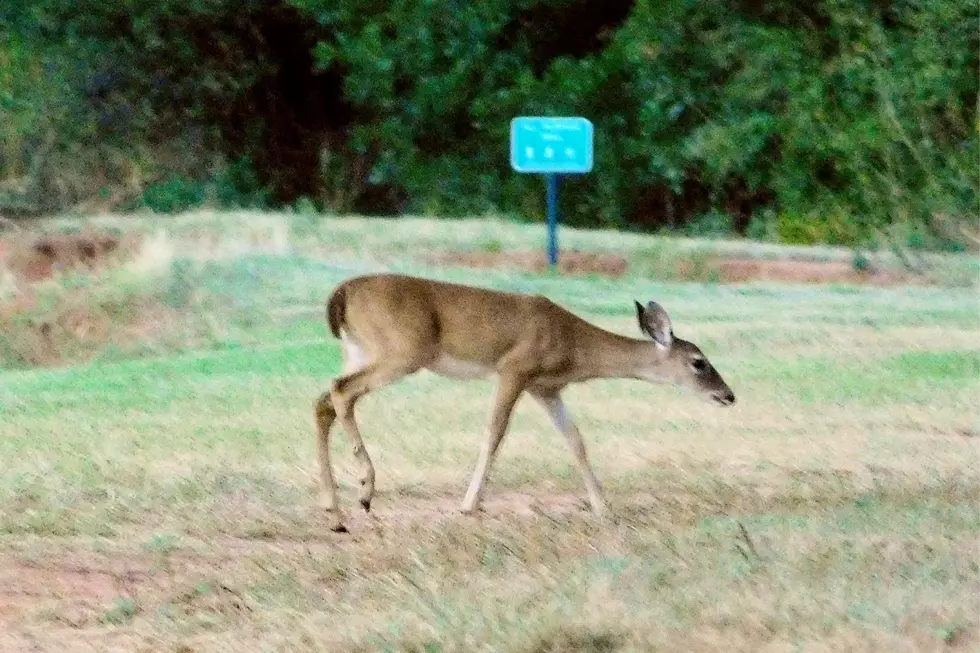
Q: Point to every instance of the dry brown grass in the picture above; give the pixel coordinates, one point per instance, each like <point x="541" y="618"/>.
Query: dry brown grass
<point x="418" y="577"/>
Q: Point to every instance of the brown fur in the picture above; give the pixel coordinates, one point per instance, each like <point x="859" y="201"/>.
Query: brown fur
<point x="395" y="325"/>
<point x="336" y="306"/>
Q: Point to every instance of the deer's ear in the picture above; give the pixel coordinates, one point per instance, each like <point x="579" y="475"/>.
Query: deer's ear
<point x="656" y="323"/>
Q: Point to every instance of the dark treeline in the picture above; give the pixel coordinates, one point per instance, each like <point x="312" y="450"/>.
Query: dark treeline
<point x="799" y="121"/>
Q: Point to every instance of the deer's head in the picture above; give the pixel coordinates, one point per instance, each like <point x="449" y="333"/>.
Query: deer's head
<point x="681" y="362"/>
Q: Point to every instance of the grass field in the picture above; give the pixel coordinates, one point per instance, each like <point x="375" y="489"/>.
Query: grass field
<point x="168" y="502"/>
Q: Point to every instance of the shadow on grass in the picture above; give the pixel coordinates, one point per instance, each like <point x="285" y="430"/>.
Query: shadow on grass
<point x="578" y="641"/>
<point x="560" y="641"/>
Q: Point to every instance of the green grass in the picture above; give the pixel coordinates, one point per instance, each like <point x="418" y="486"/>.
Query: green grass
<point x="170" y="499"/>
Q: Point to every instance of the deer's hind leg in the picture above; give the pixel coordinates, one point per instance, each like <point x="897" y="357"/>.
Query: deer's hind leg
<point x="345" y="393"/>
<point x="404" y="352"/>
<point x="325" y="416"/>
<point x="326" y="413"/>
<point x="379" y="354"/>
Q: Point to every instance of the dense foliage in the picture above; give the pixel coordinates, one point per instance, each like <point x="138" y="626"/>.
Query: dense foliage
<point x="819" y="121"/>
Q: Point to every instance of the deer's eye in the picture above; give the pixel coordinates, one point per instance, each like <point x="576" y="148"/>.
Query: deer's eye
<point x="699" y="364"/>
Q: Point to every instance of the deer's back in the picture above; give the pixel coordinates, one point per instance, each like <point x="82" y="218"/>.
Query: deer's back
<point x="459" y="323"/>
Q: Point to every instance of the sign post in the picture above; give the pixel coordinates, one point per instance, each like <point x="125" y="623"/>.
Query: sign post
<point x="552" y="147"/>
<point x="551" y="179"/>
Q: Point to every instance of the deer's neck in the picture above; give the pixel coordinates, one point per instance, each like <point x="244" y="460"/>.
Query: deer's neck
<point x="603" y="354"/>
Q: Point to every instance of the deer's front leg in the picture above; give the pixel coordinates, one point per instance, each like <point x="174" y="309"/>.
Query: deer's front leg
<point x="508" y="390"/>
<point x="553" y="403"/>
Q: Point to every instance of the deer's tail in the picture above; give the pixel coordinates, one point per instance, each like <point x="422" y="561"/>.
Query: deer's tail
<point x="336" y="309"/>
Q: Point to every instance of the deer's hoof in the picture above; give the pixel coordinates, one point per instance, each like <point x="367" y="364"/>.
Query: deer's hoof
<point x="335" y="521"/>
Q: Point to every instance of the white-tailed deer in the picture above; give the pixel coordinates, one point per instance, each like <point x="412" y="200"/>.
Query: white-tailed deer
<point x="393" y="325"/>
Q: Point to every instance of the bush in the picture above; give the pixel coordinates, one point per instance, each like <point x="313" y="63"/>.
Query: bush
<point x="818" y="113"/>
<point x="173" y="195"/>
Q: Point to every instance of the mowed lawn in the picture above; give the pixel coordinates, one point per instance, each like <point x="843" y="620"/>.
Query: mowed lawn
<point x="171" y="504"/>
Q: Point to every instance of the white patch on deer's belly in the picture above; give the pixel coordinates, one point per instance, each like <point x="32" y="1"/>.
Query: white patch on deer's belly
<point x="459" y="369"/>
<point x="354" y="355"/>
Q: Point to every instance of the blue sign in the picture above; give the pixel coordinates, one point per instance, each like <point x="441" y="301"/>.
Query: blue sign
<point x="551" y="145"/>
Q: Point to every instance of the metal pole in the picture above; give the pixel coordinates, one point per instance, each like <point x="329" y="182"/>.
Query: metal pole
<point x="552" y="183"/>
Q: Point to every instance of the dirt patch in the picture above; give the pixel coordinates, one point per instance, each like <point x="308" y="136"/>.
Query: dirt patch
<point x="717" y="269"/>
<point x="569" y="262"/>
<point x="26" y="587"/>
<point x="35" y="257"/>
<point x="44" y="322"/>
<point x="788" y="271"/>
<point x="393" y="512"/>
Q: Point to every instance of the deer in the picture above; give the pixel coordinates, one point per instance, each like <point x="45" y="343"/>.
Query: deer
<point x="393" y="325"/>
